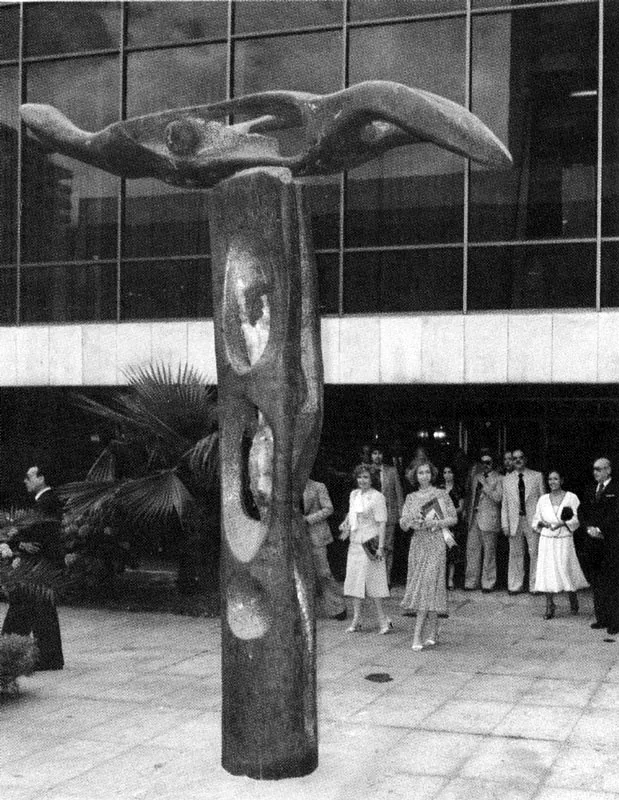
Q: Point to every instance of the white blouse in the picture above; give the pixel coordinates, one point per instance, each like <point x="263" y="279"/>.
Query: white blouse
<point x="546" y="514"/>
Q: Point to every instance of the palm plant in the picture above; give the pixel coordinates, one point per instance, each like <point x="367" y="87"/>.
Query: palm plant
<point x="161" y="463"/>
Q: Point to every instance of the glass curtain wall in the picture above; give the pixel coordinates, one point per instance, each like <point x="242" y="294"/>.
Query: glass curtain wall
<point x="418" y="230"/>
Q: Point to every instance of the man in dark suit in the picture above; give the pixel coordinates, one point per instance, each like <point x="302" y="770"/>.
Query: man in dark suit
<point x="32" y="607"/>
<point x="600" y="516"/>
<point x="386" y="479"/>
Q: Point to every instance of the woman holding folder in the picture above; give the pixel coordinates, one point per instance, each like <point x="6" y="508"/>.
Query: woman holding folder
<point x="429" y="512"/>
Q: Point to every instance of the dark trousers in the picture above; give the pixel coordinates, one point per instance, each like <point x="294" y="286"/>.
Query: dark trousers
<point x="29" y="614"/>
<point x="604" y="578"/>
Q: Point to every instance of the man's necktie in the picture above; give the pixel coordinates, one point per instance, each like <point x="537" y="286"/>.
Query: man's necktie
<point x="598" y="491"/>
<point x="523" y="508"/>
<point x="477" y="496"/>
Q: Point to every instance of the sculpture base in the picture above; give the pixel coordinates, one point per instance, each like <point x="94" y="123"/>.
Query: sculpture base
<point x="272" y="770"/>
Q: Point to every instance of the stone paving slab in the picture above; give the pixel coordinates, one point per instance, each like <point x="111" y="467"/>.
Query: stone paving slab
<point x="507" y="706"/>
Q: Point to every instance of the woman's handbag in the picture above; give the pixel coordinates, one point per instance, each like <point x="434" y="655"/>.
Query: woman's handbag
<point x="371" y="548"/>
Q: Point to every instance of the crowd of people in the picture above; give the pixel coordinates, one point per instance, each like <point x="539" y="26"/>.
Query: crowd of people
<point x="455" y="535"/>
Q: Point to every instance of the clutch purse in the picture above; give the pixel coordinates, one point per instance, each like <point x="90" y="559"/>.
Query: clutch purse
<point x="371" y="548"/>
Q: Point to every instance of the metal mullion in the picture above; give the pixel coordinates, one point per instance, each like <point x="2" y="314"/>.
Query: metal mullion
<point x="600" y="154"/>
<point x="122" y="193"/>
<point x="18" y="193"/>
<point x="269" y="34"/>
<point x="370" y="23"/>
<point x="229" y="52"/>
<point x="468" y="77"/>
<point x="343" y="174"/>
<point x="106" y="51"/>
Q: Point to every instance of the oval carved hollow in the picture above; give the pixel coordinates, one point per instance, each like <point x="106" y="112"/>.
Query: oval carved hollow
<point x="247" y="308"/>
<point x="243" y="534"/>
<point x="248" y="611"/>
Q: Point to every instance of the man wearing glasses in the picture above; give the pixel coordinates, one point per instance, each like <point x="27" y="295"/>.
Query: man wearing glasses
<point x="522" y="488"/>
<point x="484" y="524"/>
<point x="601" y="521"/>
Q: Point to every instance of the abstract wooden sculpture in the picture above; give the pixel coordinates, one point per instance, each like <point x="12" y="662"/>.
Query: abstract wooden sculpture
<point x="269" y="365"/>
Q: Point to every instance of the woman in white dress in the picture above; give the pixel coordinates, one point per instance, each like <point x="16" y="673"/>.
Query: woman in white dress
<point x="366" y="575"/>
<point x="558" y="568"/>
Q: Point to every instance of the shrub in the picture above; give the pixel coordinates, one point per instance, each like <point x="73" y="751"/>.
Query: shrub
<point x="18" y="656"/>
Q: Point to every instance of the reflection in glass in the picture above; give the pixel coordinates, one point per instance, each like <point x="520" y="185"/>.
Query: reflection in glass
<point x="71" y="27"/>
<point x="306" y="63"/>
<point x="271" y="15"/>
<point x="9" y="32"/>
<point x="8" y="295"/>
<point x="610" y="145"/>
<point x="175" y="78"/>
<point x="403" y="280"/>
<point x="609" y="296"/>
<point x="68" y="293"/>
<point x="414" y="194"/>
<point x="155" y="23"/>
<point x="383" y="9"/>
<point x="9" y="103"/>
<point x="328" y="267"/>
<point x="531" y="276"/>
<point x="166" y="289"/>
<point x="161" y="220"/>
<point x="69" y="208"/>
<point x="535" y="86"/>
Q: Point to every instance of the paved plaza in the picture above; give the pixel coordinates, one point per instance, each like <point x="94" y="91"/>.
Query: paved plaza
<point x="507" y="706"/>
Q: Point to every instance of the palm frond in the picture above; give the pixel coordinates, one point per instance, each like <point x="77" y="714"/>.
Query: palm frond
<point x="85" y="497"/>
<point x="103" y="470"/>
<point x="203" y="457"/>
<point x="154" y="497"/>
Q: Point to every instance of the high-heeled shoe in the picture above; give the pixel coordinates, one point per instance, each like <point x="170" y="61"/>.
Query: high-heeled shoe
<point x="386" y="628"/>
<point x="354" y="626"/>
<point x="431" y="642"/>
<point x="550" y="611"/>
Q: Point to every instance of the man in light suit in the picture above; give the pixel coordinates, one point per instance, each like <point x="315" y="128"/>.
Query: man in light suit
<point x="387" y="481"/>
<point x="522" y="488"/>
<point x="484" y="524"/>
<point x="317" y="508"/>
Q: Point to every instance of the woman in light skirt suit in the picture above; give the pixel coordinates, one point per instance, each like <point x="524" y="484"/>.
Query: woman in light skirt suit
<point x="366" y="576"/>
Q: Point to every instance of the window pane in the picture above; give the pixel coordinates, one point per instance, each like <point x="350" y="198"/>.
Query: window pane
<point x="308" y="62"/>
<point x="9" y="123"/>
<point x="159" y="219"/>
<point x="534" y="85"/>
<point x="610" y="147"/>
<point x="534" y="276"/>
<point x="412" y="194"/>
<point x="166" y="289"/>
<point x="403" y="280"/>
<point x="273" y="15"/>
<point x="382" y="9"/>
<point x="154" y="23"/>
<point x="9" y="33"/>
<point x="69" y="208"/>
<point x="8" y="295"/>
<point x="610" y="275"/>
<point x="71" y="27"/>
<point x="68" y="293"/>
<point x="328" y="267"/>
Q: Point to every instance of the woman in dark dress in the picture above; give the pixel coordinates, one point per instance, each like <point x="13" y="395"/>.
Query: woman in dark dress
<point x="455" y="555"/>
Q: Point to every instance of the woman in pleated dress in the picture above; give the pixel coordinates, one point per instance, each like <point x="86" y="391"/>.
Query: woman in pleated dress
<point x="429" y="512"/>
